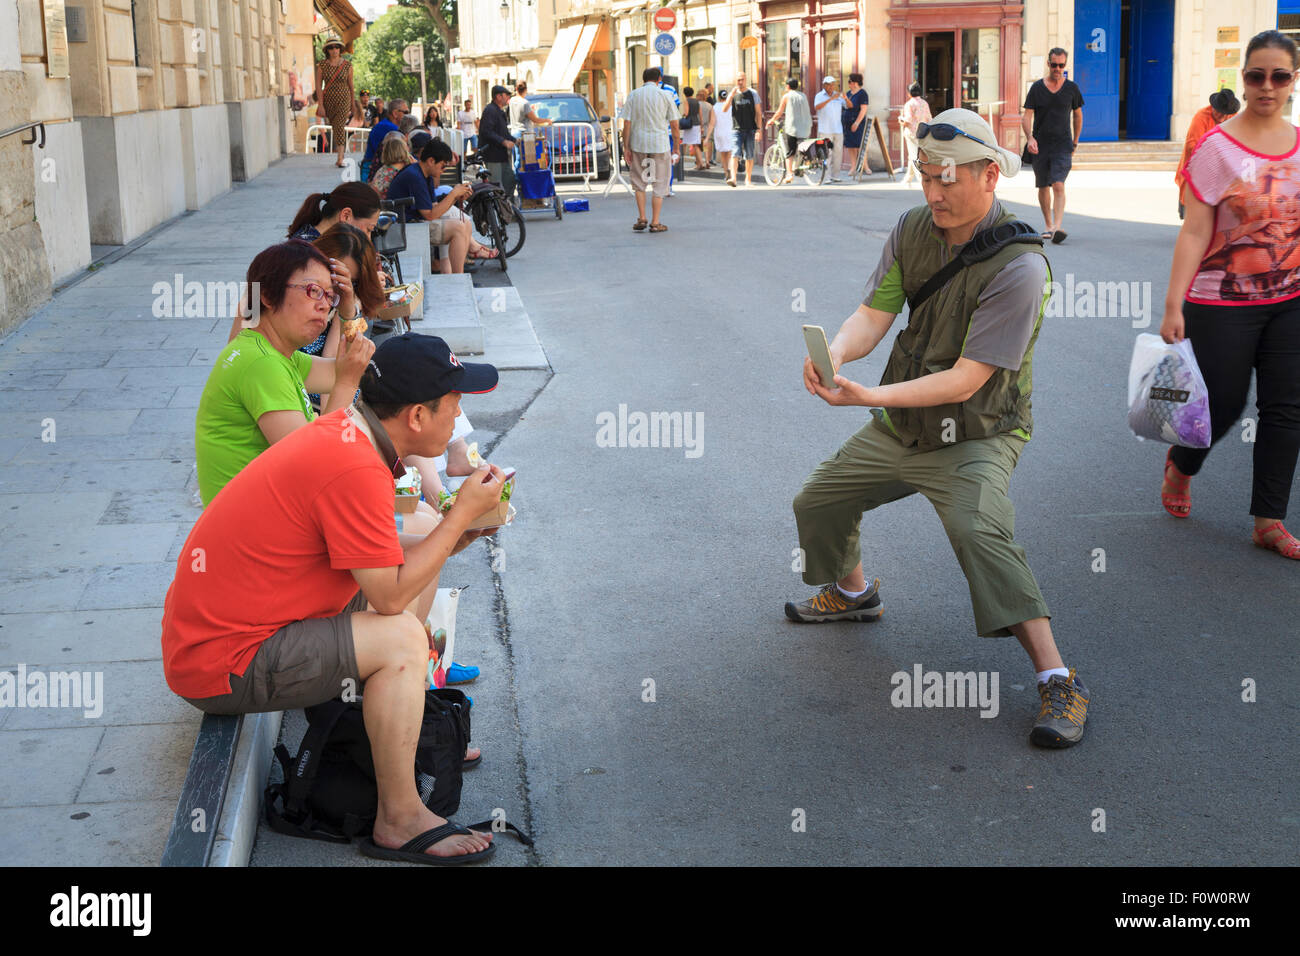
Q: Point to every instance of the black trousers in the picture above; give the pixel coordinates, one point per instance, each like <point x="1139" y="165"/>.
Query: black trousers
<point x="1230" y="341"/>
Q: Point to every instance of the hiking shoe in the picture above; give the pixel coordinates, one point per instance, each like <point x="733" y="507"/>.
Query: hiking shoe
<point x="1065" y="709"/>
<point x="829" y="604"/>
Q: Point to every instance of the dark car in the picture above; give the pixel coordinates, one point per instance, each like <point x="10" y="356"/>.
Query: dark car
<point x="566" y="147"/>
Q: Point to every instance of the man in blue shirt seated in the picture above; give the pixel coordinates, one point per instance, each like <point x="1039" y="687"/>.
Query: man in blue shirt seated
<point x="418" y="181"/>
<point x="375" y="141"/>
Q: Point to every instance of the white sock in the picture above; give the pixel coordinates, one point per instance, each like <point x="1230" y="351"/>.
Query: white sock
<point x="852" y="595"/>
<point x="1045" y="676"/>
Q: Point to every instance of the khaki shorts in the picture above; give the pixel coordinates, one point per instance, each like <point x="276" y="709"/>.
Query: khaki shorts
<point x="438" y="229"/>
<point x="301" y="664"/>
<point x="650" y="170"/>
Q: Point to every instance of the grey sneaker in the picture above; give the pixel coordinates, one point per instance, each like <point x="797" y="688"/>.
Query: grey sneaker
<point x="829" y="604"/>
<point x="1065" y="710"/>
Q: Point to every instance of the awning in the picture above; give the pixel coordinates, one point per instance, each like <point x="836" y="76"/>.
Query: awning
<point x="572" y="44"/>
<point x="347" y="23"/>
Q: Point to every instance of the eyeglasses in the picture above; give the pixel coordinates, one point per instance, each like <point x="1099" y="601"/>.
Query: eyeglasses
<point x="316" y="292"/>
<point x="1257" y="77"/>
<point x="944" y="132"/>
<point x="1056" y="66"/>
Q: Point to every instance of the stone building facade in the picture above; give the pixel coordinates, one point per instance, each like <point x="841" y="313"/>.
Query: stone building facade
<point x="148" y="109"/>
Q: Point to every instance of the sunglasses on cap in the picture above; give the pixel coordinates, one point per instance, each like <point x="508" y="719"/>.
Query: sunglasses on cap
<point x="944" y="132"/>
<point x="1257" y="77"/>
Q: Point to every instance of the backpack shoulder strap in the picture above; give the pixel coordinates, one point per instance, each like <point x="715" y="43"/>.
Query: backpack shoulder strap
<point x="299" y="778"/>
<point x="983" y="245"/>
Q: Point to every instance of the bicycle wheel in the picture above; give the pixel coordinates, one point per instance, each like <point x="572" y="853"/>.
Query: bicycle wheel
<point x="513" y="224"/>
<point x="774" y="165"/>
<point x="814" y="170"/>
<point x="498" y="234"/>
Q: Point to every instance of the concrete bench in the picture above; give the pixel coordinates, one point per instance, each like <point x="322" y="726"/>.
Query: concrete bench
<point x="450" y="309"/>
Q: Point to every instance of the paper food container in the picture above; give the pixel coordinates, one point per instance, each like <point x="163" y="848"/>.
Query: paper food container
<point x="403" y="300"/>
<point x="501" y="515"/>
<point x="407" y="493"/>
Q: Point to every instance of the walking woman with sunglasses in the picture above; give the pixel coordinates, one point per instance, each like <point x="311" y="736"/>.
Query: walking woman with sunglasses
<point x="1234" y="288"/>
<point x="257" y="391"/>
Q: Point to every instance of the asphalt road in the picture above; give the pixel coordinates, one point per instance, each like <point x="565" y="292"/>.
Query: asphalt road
<point x="629" y="565"/>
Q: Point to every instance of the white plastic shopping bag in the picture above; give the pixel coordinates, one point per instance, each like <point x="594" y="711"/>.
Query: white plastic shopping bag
<point x="441" y="625"/>
<point x="1167" y="398"/>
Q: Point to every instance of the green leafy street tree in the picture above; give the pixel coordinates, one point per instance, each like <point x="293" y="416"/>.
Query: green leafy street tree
<point x="377" y="63"/>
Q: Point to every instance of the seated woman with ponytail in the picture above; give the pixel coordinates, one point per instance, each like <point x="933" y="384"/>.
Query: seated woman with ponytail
<point x="349" y="247"/>
<point x="354" y="203"/>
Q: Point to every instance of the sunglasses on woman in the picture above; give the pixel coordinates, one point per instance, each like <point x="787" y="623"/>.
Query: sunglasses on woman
<point x="316" y="292"/>
<point x="944" y="132"/>
<point x="1257" y="77"/>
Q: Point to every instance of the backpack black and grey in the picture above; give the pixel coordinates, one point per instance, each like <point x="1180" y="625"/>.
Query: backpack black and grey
<point x="329" y="792"/>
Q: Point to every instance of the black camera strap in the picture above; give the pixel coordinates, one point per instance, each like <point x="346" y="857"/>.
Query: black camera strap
<point x="982" y="245"/>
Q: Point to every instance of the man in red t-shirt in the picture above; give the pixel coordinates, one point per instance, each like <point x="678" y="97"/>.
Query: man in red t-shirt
<point x="265" y="613"/>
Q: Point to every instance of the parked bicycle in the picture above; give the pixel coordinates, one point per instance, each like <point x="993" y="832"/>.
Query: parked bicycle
<point x="495" y="216"/>
<point x="812" y="159"/>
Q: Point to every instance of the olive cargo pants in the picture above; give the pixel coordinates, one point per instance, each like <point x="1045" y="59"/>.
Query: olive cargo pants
<point x="967" y="484"/>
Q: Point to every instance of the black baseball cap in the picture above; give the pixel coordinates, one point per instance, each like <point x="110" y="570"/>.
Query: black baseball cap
<point x="499" y="89"/>
<point x="412" y="369"/>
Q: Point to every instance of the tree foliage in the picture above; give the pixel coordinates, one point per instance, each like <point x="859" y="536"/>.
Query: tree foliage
<point x="443" y="15"/>
<point x="377" y="63"/>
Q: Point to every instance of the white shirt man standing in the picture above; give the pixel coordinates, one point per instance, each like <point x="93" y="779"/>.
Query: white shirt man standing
<point x="830" y="122"/>
<point x="650" y="137"/>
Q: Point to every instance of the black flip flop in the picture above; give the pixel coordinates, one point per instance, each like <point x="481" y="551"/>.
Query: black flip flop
<point x="1058" y="237"/>
<point x="413" y="850"/>
<point x="471" y="764"/>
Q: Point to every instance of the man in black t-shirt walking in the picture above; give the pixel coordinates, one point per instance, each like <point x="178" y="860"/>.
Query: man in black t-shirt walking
<point x="1053" y="117"/>
<point x="744" y="105"/>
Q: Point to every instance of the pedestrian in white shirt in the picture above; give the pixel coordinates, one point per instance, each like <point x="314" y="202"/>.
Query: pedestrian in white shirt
<point x="650" y="138"/>
<point x="830" y="122"/>
<point x="915" y="112"/>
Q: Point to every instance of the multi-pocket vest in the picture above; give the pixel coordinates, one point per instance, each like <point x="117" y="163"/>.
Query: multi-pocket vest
<point x="933" y="341"/>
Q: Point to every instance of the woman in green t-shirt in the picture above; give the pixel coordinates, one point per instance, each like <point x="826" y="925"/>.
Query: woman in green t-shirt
<point x="257" y="391"/>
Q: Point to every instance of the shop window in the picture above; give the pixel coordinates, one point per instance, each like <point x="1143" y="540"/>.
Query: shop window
<point x="699" y="64"/>
<point x="636" y="64"/>
<point x="778" y="63"/>
<point x="748" y="57"/>
<point x="980" y="55"/>
<point x="838" y="58"/>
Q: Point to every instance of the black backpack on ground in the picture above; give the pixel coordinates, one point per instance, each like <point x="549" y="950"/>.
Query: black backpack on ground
<point x="329" y="790"/>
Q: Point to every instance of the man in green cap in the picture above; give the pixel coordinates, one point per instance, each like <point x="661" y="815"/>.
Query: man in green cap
<point x="952" y="411"/>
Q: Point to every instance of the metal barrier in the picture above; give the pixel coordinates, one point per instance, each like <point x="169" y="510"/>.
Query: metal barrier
<point x="452" y="137"/>
<point x="357" y="138"/>
<point x="573" y="150"/>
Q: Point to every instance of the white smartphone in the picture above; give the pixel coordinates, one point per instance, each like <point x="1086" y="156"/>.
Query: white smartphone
<point x="814" y="337"/>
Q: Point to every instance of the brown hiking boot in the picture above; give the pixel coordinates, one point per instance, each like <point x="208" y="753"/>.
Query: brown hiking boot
<point x="1065" y="709"/>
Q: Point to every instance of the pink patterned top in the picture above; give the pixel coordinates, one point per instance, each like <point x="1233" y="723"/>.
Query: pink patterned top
<point x="1254" y="255"/>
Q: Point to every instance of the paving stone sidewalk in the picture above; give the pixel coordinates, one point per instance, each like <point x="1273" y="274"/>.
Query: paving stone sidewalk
<point x="97" y="495"/>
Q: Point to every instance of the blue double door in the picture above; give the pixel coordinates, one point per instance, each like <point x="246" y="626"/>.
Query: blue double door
<point x="1123" y="61"/>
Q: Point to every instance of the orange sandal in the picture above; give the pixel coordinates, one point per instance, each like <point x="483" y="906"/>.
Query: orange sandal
<point x="1284" y="544"/>
<point x="1177" y="502"/>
